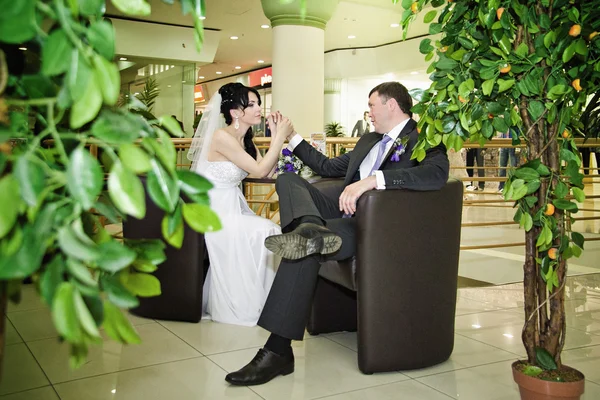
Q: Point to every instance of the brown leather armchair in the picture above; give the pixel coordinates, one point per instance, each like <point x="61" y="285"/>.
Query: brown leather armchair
<point x="181" y="276"/>
<point x="399" y="291"/>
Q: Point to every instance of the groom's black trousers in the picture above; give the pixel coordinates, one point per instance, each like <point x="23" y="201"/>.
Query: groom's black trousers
<point x="287" y="308"/>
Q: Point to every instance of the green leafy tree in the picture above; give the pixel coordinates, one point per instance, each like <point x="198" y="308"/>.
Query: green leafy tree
<point x="53" y="191"/>
<point x="149" y="94"/>
<point x="529" y="64"/>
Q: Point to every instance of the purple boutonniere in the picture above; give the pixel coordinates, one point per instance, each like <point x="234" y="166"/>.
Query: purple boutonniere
<point x="399" y="148"/>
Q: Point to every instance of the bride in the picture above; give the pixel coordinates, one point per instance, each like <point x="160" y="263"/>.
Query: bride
<point x="241" y="268"/>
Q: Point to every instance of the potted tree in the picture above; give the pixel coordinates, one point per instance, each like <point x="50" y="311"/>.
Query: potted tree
<point x="52" y="190"/>
<point x="530" y="64"/>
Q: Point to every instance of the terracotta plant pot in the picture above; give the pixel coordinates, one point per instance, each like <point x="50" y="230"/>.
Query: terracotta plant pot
<point x="532" y="388"/>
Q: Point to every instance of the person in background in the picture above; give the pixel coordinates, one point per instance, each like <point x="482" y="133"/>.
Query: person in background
<point x="362" y="126"/>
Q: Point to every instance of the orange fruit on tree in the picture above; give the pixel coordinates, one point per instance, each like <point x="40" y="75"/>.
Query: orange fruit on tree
<point x="575" y="30"/>
<point x="566" y="134"/>
<point x="462" y="99"/>
<point x="576" y="84"/>
<point x="443" y="49"/>
<point x="499" y="12"/>
<point x="549" y="209"/>
<point x="552" y="253"/>
<point x="505" y="68"/>
<point x="414" y="7"/>
<point x="593" y="35"/>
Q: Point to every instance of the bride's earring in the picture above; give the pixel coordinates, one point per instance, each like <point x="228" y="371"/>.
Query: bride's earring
<point x="237" y="123"/>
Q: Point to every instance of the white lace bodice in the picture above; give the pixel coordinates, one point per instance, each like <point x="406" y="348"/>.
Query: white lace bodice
<point x="223" y="174"/>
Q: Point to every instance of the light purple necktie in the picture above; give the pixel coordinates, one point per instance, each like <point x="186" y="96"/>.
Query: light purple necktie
<point x="384" y="141"/>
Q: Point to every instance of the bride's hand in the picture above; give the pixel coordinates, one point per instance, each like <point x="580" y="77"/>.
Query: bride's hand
<point x="284" y="128"/>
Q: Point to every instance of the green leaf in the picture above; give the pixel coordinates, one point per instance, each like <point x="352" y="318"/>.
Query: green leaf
<point x="84" y="316"/>
<point x="429" y="16"/>
<point x="144" y="266"/>
<point x="561" y="190"/>
<point x="56" y="53"/>
<point x="201" y="218"/>
<point x="17" y="21"/>
<point x="117" y="326"/>
<point x="117" y="294"/>
<point x="10" y="200"/>
<point x="576" y="251"/>
<point x="542" y="170"/>
<point x="556" y="92"/>
<point x="143" y="285"/>
<point x="109" y="79"/>
<point x="175" y="236"/>
<point x="64" y="314"/>
<point x="565" y="205"/>
<point x="569" y="52"/>
<point x="114" y="127"/>
<point x="526" y="222"/>
<point x="532" y="370"/>
<point x="192" y="183"/>
<point x="578" y="194"/>
<point x="78" y="76"/>
<point x="504" y="85"/>
<point x="91" y="7"/>
<point x="134" y="158"/>
<point x="162" y="188"/>
<point x="528" y="174"/>
<point x="133" y="7"/>
<point x="172" y="125"/>
<point x="81" y="272"/>
<point x="578" y="239"/>
<point x="31" y="177"/>
<point x="465" y="88"/>
<point x="84" y="177"/>
<point x="425" y="46"/>
<point x="545" y="359"/>
<point x="101" y="36"/>
<point x="126" y="191"/>
<point x="522" y="50"/>
<point x="115" y="256"/>
<point x="71" y="244"/>
<point x="86" y="108"/>
<point x="488" y="86"/>
<point x="151" y="250"/>
<point x="533" y="186"/>
<point x="535" y="108"/>
<point x="446" y="63"/>
<point x="51" y="278"/>
<point x="545" y="237"/>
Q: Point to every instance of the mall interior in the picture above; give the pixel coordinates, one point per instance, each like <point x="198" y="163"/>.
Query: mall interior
<point x="318" y="72"/>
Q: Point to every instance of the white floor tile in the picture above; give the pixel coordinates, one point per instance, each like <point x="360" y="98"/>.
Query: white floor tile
<point x="592" y="391"/>
<point x="194" y="379"/>
<point x="407" y="390"/>
<point x="346" y="339"/>
<point x="21" y="372"/>
<point x="322" y="368"/>
<point x="467" y="353"/>
<point x="34" y="324"/>
<point x="12" y="337"/>
<point x="489" y="382"/>
<point x="45" y="393"/>
<point x="465" y="305"/>
<point x="586" y="360"/>
<point x="158" y="346"/>
<point x="212" y="337"/>
<point x="30" y="300"/>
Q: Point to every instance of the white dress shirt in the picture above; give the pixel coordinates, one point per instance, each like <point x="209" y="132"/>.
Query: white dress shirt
<point x="369" y="161"/>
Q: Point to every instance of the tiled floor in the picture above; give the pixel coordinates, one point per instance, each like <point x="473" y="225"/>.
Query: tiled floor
<point x="189" y="361"/>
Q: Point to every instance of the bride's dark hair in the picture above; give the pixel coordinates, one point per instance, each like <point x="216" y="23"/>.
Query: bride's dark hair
<point x="234" y="96"/>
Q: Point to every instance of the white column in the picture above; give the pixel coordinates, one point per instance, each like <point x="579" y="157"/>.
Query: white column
<point x="333" y="101"/>
<point x="298" y="76"/>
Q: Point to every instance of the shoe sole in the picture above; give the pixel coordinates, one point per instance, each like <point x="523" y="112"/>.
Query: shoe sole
<point x="294" y="246"/>
<point x="285" y="371"/>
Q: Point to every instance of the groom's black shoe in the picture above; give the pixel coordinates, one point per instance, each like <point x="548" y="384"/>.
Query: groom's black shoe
<point x="306" y="239"/>
<point x="265" y="366"/>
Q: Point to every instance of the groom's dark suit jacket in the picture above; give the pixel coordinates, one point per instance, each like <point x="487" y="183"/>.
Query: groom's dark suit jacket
<point x="429" y="174"/>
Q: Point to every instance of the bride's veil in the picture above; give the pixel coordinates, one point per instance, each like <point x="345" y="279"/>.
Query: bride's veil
<point x="211" y="120"/>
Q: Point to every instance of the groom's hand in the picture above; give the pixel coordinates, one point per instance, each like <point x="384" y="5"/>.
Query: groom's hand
<point x="352" y="193"/>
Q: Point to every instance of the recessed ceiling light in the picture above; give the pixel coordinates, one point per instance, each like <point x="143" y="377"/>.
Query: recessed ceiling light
<point x="265" y="26"/>
<point x="202" y="17"/>
<point x="172" y="66"/>
<point x="238" y="67"/>
<point x="233" y="37"/>
<point x="23" y="48"/>
<point x="394" y="25"/>
<point x="415" y="73"/>
<point x="200" y="77"/>
<point x="218" y="72"/>
<point x="123" y="58"/>
<point x="351" y="37"/>
<point x="168" y="85"/>
<point x="182" y="81"/>
<point x="260" y="61"/>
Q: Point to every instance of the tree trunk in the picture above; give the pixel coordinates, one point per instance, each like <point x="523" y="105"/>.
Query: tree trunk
<point x="3" y="303"/>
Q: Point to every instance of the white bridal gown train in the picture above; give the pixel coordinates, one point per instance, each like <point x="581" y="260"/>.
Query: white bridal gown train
<point x="241" y="268"/>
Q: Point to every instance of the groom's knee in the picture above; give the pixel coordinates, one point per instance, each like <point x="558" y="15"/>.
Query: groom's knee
<point x="285" y="180"/>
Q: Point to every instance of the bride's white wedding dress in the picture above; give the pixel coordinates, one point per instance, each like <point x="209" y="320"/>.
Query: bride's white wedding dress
<point x="241" y="268"/>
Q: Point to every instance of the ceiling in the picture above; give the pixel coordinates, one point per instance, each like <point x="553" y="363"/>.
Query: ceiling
<point x="368" y="20"/>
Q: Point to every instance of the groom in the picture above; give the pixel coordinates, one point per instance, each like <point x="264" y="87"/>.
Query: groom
<point x="317" y="227"/>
